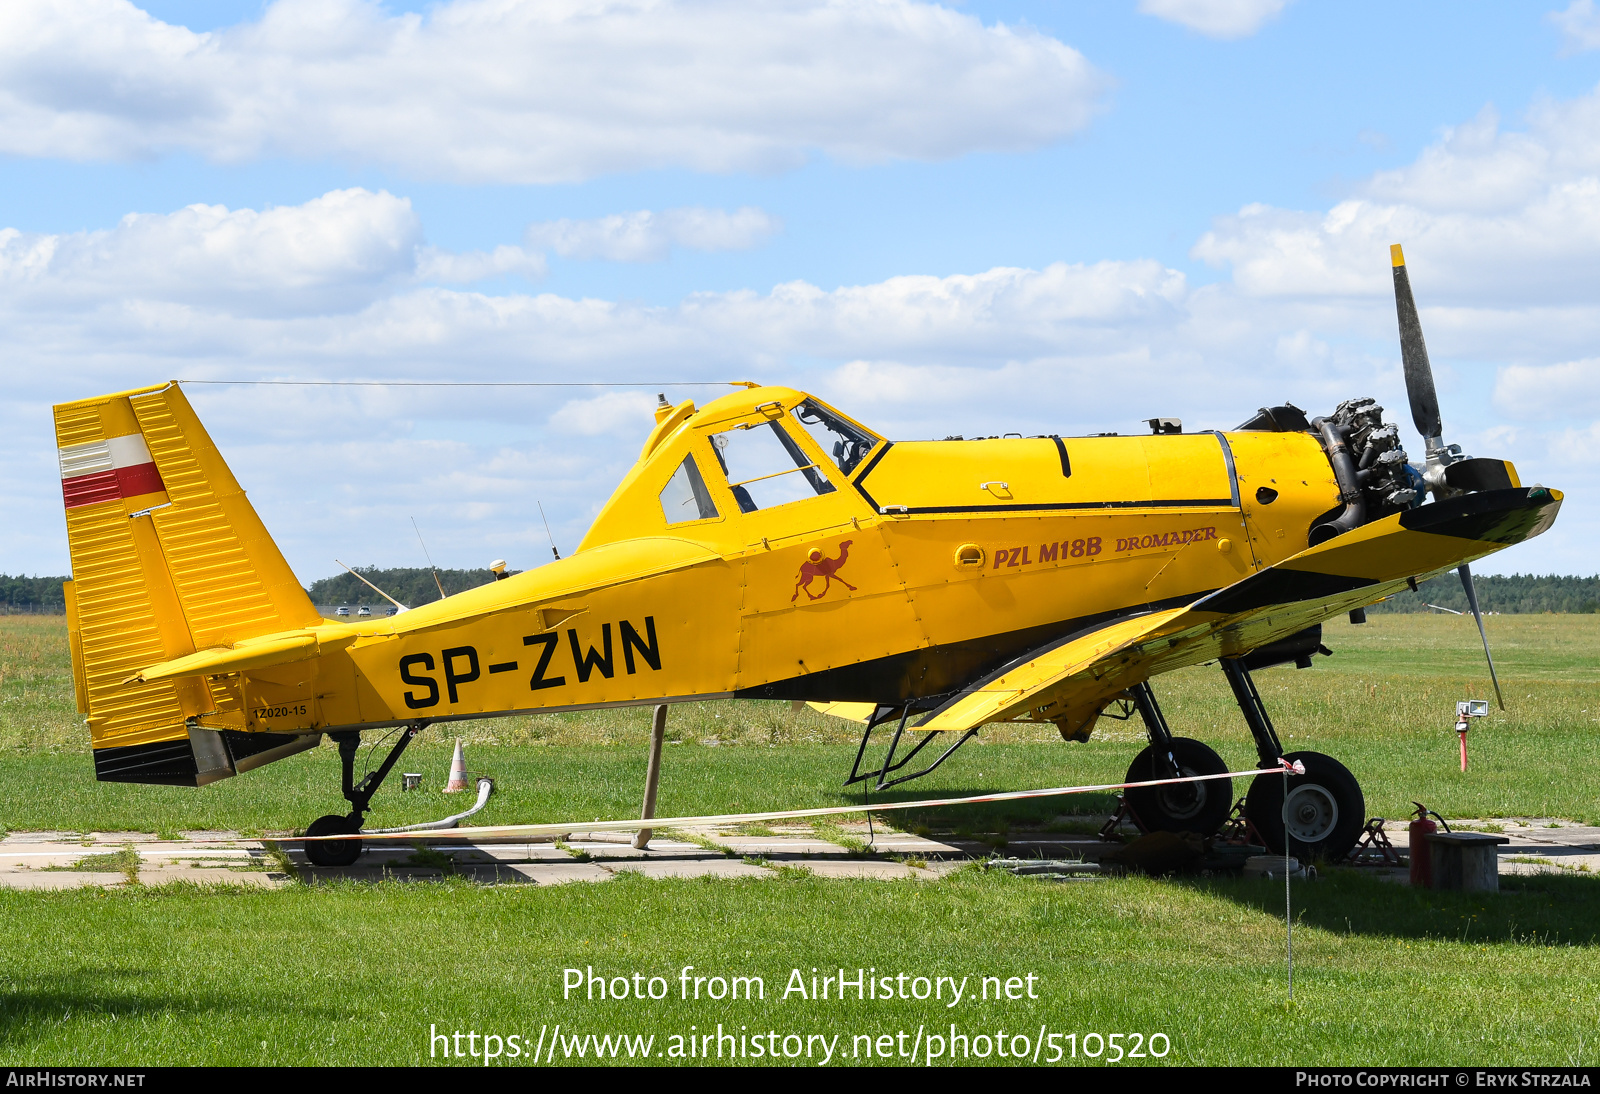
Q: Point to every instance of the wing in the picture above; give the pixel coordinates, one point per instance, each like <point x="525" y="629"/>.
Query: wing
<point x="850" y="712"/>
<point x="1069" y="681"/>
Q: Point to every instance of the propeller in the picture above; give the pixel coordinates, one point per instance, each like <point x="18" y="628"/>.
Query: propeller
<point x="1472" y="602"/>
<point x="1419" y="374"/>
<point x="1425" y="416"/>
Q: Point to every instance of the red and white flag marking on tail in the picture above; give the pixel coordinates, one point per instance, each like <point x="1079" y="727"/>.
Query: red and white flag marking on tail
<point x="109" y="470"/>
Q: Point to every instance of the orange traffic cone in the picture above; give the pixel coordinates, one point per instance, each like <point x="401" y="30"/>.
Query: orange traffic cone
<point x="458" y="771"/>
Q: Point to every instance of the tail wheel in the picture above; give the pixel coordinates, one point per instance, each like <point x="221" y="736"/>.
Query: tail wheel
<point x="1183" y="807"/>
<point x="342" y="852"/>
<point x="1323" y="816"/>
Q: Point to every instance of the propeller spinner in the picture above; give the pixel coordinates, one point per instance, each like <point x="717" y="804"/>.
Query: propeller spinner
<point x="1425" y="416"/>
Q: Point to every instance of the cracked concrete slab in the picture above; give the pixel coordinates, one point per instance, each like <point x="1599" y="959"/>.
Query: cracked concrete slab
<point x="49" y="860"/>
<point x="60" y="879"/>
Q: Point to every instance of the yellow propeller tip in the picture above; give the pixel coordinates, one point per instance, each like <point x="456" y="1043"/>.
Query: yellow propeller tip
<point x="1396" y="255"/>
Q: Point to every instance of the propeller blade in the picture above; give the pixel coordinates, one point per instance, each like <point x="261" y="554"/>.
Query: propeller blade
<point x="1472" y="602"/>
<point x="1414" y="355"/>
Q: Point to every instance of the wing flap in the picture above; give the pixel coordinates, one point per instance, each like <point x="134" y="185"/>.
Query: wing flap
<point x="850" y="712"/>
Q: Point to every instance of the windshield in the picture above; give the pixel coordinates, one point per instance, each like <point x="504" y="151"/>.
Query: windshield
<point x="766" y="468"/>
<point x="685" y="497"/>
<point x="847" y="444"/>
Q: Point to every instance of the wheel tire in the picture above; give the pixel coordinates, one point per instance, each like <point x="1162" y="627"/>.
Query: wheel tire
<point x="342" y="852"/>
<point x="1326" y="809"/>
<point x="1184" y="807"/>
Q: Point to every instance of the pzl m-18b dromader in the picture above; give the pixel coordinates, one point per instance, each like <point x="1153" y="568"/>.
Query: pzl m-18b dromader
<point x="768" y="546"/>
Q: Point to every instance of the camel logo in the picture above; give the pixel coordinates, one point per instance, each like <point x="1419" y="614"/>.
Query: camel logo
<point x="818" y="565"/>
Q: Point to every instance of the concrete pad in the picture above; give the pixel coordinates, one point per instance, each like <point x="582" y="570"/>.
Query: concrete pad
<point x="709" y="867"/>
<point x="900" y="843"/>
<point x="120" y="838"/>
<point x="40" y="837"/>
<point x="560" y="873"/>
<point x="577" y="836"/>
<point x="766" y="845"/>
<point x="39" y="859"/>
<point x="59" y="879"/>
<point x="209" y="834"/>
<point x="603" y="853"/>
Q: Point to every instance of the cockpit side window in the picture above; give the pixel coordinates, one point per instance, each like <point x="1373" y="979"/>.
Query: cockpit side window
<point x="766" y="468"/>
<point x="847" y="444"/>
<point x="685" y="497"/>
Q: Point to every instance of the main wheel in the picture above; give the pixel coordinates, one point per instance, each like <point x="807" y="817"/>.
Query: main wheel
<point x="1323" y="816"/>
<point x="341" y="852"/>
<point x="1181" y="807"/>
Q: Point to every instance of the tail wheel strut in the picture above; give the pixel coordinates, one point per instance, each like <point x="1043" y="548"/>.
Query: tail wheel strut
<point x="344" y="852"/>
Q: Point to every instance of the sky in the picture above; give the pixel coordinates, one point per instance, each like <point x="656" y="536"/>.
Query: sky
<point x="1011" y="216"/>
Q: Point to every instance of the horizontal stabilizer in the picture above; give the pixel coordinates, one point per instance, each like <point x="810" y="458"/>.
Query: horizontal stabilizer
<point x="255" y="653"/>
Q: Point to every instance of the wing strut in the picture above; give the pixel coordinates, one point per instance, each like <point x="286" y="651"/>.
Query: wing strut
<point x="890" y="765"/>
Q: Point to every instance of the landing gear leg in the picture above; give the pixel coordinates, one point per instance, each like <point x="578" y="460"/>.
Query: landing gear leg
<point x="1325" y="810"/>
<point x="1268" y="747"/>
<point x="359" y="795"/>
<point x="1185" y="807"/>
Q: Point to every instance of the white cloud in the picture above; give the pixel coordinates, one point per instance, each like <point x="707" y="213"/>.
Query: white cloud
<point x="1579" y="25"/>
<point x="647" y="236"/>
<point x="335" y="253"/>
<point x="1567" y="390"/>
<point x="529" y="92"/>
<point x="1498" y="227"/>
<point x="1489" y="219"/>
<point x="1224" y="19"/>
<point x="612" y="413"/>
<point x="458" y="269"/>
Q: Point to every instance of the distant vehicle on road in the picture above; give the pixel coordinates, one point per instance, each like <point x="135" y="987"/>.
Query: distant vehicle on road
<point x="342" y="611"/>
<point x="364" y="610"/>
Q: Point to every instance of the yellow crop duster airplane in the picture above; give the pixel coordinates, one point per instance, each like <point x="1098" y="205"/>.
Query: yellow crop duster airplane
<point x="768" y="546"/>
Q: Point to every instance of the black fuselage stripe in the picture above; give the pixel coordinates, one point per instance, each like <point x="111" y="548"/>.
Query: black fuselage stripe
<point x="1233" y="470"/>
<point x="1073" y="506"/>
<point x="1066" y="464"/>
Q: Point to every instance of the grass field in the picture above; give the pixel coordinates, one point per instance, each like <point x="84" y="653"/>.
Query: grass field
<point x="1383" y="705"/>
<point x="352" y="974"/>
<point x="355" y="974"/>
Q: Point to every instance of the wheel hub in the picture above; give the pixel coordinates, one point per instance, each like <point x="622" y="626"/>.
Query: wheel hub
<point x="1184" y="801"/>
<point x="1310" y="813"/>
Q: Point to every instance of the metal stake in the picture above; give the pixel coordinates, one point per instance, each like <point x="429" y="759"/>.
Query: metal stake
<point x="1288" y="919"/>
<point x="652" y="778"/>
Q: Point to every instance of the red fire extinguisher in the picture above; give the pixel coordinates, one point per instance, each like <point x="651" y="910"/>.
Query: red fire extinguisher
<point x="1421" y="854"/>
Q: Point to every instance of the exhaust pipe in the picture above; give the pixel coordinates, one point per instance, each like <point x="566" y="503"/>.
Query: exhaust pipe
<point x="1344" y="472"/>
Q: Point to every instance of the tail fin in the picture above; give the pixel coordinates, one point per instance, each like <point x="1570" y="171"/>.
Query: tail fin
<point x="168" y="557"/>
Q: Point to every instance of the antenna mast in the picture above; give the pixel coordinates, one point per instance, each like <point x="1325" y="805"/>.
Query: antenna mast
<point x="429" y="557"/>
<point x="547" y="529"/>
<point x="375" y="589"/>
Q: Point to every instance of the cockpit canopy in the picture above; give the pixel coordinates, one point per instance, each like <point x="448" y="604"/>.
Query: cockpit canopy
<point x="758" y="450"/>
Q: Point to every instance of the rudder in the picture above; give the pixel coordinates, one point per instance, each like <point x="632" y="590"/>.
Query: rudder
<point x="168" y="557"/>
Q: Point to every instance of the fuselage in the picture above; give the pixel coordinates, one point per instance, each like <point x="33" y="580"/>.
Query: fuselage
<point x="767" y="546"/>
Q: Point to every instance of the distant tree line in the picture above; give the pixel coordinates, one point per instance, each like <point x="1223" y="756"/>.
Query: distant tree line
<point x="411" y="586"/>
<point x="31" y="594"/>
<point x="1513" y="595"/>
